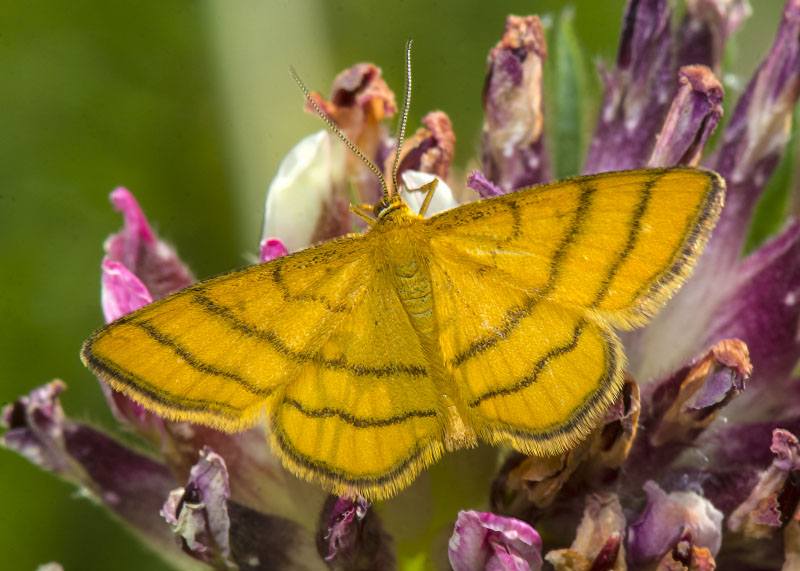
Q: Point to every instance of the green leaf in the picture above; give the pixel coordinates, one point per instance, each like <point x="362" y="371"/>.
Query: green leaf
<point x="773" y="205"/>
<point x="569" y="85"/>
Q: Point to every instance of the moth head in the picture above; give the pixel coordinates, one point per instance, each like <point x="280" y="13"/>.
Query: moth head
<point x="391" y="198"/>
<point x="385" y="206"/>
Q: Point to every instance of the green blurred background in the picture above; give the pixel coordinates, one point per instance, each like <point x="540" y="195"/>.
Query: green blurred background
<point x="191" y="106"/>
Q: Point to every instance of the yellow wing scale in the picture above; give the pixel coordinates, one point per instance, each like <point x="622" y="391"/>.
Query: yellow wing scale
<point x="517" y="347"/>
<point x="618" y="244"/>
<point x="371" y="425"/>
<point x="533" y="373"/>
<point x="217" y="351"/>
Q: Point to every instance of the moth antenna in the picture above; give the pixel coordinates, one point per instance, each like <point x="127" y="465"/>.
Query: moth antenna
<point x="339" y="133"/>
<point x="401" y="126"/>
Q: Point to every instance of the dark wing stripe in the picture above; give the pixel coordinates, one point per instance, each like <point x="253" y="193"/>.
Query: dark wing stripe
<point x="271" y="338"/>
<point x="630" y="244"/>
<point x="515" y="315"/>
<point x="696" y="227"/>
<point x="355" y="421"/>
<point x="578" y="416"/>
<point x="516" y="228"/>
<point x="190" y="360"/>
<point x="380" y="479"/>
<point x="584" y="204"/>
<point x="530" y="378"/>
<point x="511" y="321"/>
<point x="108" y="369"/>
<point x="277" y="279"/>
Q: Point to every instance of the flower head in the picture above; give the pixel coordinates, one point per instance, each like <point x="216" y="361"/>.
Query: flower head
<point x="693" y="465"/>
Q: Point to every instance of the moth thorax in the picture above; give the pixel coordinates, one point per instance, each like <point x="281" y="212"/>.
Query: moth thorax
<point x="414" y="291"/>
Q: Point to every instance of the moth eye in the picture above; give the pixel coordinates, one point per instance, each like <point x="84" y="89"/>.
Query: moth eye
<point x="380" y="206"/>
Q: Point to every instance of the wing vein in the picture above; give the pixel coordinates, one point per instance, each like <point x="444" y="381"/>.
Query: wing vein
<point x="272" y="339"/>
<point x="630" y="244"/>
<point x="327" y="412"/>
<point x="190" y="360"/>
<point x="529" y="379"/>
<point x="515" y="315"/>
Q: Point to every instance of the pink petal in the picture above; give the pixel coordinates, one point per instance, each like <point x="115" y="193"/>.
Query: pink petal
<point x="136" y="247"/>
<point x="136" y="233"/>
<point x="271" y="248"/>
<point x="483" y="540"/>
<point x="763" y="512"/>
<point x="694" y="114"/>
<point x="122" y="292"/>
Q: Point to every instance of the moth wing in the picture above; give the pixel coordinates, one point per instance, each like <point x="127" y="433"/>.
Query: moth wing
<point x="617" y="244"/>
<point x="218" y="352"/>
<point x="530" y="372"/>
<point x="527" y="286"/>
<point x="372" y="419"/>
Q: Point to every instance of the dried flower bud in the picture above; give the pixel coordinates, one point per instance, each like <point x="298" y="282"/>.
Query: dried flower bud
<point x="706" y="28"/>
<point x="688" y="401"/>
<point x="637" y="92"/>
<point x="666" y="518"/>
<point x="360" y="101"/>
<point x="513" y="149"/>
<point x="537" y="480"/>
<point x="763" y="309"/>
<point x="599" y="539"/>
<point x="791" y="542"/>
<point x="351" y="537"/>
<point x="686" y="556"/>
<point x="198" y="513"/>
<point x="611" y="442"/>
<point x="693" y="116"/>
<point x="773" y="500"/>
<point x="128" y="483"/>
<point x="429" y="150"/>
<point x="755" y="138"/>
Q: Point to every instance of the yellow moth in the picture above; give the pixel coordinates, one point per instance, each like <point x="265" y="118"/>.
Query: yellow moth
<point x="373" y="354"/>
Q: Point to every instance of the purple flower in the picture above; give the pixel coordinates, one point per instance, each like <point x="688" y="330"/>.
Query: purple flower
<point x="693" y="466"/>
<point x="637" y="92"/>
<point x="136" y="247"/>
<point x="351" y="536"/>
<point x="198" y="513"/>
<point x="514" y="153"/>
<point x="483" y="540"/>
<point x="665" y="520"/>
<point x="599" y="539"/>
<point x="766" y="507"/>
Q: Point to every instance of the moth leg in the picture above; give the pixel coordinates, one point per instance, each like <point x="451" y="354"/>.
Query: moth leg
<point x="363" y="211"/>
<point x="429" y="188"/>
